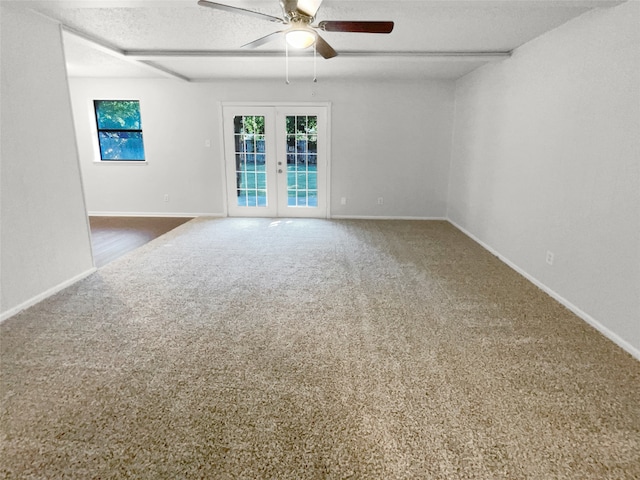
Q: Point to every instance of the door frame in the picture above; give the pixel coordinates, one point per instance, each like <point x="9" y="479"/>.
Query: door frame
<point x="275" y="105"/>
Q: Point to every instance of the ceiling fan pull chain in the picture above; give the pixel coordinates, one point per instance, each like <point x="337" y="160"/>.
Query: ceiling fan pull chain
<point x="315" y="72"/>
<point x="286" y="61"/>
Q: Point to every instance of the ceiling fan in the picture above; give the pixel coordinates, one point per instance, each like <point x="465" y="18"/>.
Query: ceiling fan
<point x="299" y="16"/>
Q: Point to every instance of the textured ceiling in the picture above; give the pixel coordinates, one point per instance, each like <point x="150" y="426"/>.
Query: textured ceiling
<point x="113" y="38"/>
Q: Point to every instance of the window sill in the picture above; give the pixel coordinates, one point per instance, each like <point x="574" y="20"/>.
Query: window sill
<point x="120" y="162"/>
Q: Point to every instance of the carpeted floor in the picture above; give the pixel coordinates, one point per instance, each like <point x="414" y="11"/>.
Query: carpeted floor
<point x="304" y="349"/>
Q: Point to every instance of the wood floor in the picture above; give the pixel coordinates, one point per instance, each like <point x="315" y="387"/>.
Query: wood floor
<point x="112" y="237"/>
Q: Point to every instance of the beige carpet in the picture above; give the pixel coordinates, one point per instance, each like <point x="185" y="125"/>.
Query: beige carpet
<point x="304" y="349"/>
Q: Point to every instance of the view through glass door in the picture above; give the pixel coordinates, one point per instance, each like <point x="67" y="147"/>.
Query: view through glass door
<point x="276" y="160"/>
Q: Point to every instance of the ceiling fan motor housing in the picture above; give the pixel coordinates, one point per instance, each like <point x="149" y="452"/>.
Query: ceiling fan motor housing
<point x="293" y="14"/>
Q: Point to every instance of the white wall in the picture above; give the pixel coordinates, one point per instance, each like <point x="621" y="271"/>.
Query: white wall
<point x="389" y="140"/>
<point x="546" y="157"/>
<point x="44" y="231"/>
<point x="176" y="118"/>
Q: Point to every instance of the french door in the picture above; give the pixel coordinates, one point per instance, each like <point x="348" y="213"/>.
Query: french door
<point x="276" y="160"/>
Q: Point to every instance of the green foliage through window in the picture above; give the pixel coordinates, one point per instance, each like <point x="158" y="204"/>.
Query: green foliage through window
<point x="119" y="129"/>
<point x="302" y="126"/>
<point x="249" y="125"/>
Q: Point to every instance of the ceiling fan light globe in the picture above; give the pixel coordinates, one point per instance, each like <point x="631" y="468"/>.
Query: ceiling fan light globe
<point x="301" y="38"/>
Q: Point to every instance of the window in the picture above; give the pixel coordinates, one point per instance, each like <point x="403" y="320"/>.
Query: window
<point x="119" y="130"/>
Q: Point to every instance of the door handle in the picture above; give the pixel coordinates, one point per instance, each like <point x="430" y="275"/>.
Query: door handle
<point x="279" y="170"/>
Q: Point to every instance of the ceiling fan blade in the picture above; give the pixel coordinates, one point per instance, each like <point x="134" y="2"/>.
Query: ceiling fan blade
<point x="324" y="49"/>
<point x="357" y="27"/>
<point x="262" y="40"/>
<point x="309" y="7"/>
<point x="242" y="11"/>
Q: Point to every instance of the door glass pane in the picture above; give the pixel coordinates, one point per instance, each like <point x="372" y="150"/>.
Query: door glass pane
<point x="313" y="144"/>
<point x="302" y="141"/>
<point x="251" y="177"/>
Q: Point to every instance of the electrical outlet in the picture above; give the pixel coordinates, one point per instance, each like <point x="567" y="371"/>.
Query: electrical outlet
<point x="380" y="200"/>
<point x="550" y="257"/>
<point x="207" y="143"/>
<point x="343" y="201"/>
<point x="166" y="197"/>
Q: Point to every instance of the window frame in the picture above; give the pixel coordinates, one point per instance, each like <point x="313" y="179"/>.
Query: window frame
<point x="100" y="157"/>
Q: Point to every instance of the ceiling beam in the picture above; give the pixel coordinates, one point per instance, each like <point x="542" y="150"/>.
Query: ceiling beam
<point x="116" y="52"/>
<point x="110" y="49"/>
<point x="439" y="55"/>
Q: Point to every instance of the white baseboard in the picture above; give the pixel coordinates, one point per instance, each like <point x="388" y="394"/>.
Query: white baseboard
<point x="374" y="217"/>
<point x="38" y="298"/>
<point x="614" y="337"/>
<point x="154" y="214"/>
